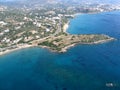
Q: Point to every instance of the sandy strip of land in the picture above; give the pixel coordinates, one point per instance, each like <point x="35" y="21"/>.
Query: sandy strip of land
<point x="65" y="27"/>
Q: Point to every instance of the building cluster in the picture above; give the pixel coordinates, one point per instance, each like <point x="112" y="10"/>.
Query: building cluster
<point x="22" y="25"/>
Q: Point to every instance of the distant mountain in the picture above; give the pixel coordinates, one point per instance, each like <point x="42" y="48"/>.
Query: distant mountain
<point x="63" y="1"/>
<point x="92" y="1"/>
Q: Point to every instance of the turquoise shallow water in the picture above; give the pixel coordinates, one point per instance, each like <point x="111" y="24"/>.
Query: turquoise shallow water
<point x="83" y="67"/>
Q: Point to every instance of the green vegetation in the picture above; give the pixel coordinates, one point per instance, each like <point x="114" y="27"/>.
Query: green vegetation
<point x="47" y="43"/>
<point x="61" y="42"/>
<point x="43" y="26"/>
<point x="50" y="44"/>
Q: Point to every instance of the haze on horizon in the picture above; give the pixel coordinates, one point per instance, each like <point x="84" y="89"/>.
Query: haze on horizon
<point x="88" y="1"/>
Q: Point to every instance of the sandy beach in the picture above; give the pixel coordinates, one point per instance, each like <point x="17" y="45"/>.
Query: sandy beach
<point x="65" y="27"/>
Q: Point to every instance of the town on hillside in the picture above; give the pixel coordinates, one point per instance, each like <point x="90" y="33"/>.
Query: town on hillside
<point x="20" y="26"/>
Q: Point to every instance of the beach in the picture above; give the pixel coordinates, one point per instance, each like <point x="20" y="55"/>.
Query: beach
<point x="65" y="27"/>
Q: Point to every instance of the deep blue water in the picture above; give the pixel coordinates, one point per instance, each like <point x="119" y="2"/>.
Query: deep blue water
<point x="105" y="23"/>
<point x="83" y="67"/>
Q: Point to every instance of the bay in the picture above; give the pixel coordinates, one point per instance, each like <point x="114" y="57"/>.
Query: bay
<point x="83" y="67"/>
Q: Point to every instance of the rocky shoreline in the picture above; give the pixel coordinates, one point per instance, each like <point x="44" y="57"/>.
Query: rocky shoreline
<point x="64" y="42"/>
<point x="61" y="42"/>
<point x="61" y="50"/>
<point x="97" y="42"/>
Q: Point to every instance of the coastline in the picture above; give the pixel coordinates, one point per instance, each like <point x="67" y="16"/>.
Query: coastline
<point x="65" y="27"/>
<point x="92" y="43"/>
<point x="19" y="47"/>
<point x="64" y="49"/>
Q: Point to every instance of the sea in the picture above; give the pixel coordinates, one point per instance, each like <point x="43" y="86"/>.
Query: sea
<point x="83" y="67"/>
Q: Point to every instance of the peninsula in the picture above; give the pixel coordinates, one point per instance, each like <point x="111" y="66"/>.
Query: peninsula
<point x="64" y="41"/>
<point x="28" y="27"/>
<point x="60" y="43"/>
